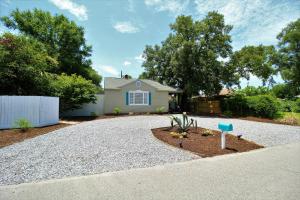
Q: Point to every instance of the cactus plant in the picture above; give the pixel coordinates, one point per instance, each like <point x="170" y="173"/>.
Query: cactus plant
<point x="184" y="124"/>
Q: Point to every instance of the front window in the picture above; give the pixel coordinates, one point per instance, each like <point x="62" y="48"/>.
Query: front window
<point x="138" y="97"/>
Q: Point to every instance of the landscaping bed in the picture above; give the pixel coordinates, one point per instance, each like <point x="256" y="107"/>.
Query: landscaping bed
<point x="11" y="136"/>
<point x="205" y="146"/>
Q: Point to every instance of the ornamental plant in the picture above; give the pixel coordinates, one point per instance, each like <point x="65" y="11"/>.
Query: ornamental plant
<point x="183" y="124"/>
<point x="23" y="123"/>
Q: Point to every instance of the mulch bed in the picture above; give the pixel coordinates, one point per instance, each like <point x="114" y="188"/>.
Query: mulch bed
<point x="205" y="146"/>
<point x="11" y="136"/>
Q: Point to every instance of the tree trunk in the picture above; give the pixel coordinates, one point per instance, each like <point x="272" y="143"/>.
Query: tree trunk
<point x="184" y="104"/>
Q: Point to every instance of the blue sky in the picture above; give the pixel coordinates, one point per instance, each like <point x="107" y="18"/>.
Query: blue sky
<point x="118" y="30"/>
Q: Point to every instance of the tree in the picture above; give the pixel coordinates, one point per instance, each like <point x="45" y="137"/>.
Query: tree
<point x="289" y="52"/>
<point x="255" y="60"/>
<point x="63" y="39"/>
<point x="24" y="66"/>
<point x="73" y="91"/>
<point x="189" y="57"/>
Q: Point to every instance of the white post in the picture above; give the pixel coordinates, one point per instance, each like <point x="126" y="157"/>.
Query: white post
<point x="223" y="140"/>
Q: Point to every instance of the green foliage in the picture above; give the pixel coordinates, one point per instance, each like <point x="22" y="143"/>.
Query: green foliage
<point x="256" y="60"/>
<point x="262" y="106"/>
<point x="160" y="109"/>
<point x="289" y="118"/>
<point x="23" y="124"/>
<point x="188" y="57"/>
<point x="93" y="114"/>
<point x="289" y="56"/>
<point x="183" y="124"/>
<point x="227" y="113"/>
<point x="117" y="110"/>
<point x="63" y="40"/>
<point x="236" y="103"/>
<point x="287" y="105"/>
<point x="284" y="91"/>
<point x="25" y="64"/>
<point x="297" y="106"/>
<point x="259" y="105"/>
<point x="73" y="91"/>
<point x="252" y="91"/>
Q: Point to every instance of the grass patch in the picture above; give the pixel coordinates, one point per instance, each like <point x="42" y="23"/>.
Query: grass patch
<point x="288" y="118"/>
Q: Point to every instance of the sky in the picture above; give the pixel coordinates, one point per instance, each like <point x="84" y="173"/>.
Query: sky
<point x="119" y="30"/>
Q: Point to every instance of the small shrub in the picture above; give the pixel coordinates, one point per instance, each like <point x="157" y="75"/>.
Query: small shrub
<point x="93" y="114"/>
<point x="236" y="103"/>
<point x="160" y="110"/>
<point x="262" y="106"/>
<point x="117" y="110"/>
<point x="289" y="119"/>
<point x="227" y="113"/>
<point x="184" y="124"/>
<point x="207" y="132"/>
<point x="23" y="124"/>
<point x="287" y="105"/>
<point x="296" y="107"/>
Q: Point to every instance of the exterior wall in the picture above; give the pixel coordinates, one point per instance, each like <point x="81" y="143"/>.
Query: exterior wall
<point x="87" y="109"/>
<point x="117" y="98"/>
<point x="39" y="110"/>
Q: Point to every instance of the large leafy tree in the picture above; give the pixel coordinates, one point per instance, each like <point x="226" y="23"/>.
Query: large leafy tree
<point x="73" y="91"/>
<point x="189" y="58"/>
<point x="289" y="52"/>
<point x="24" y="66"/>
<point x="255" y="60"/>
<point x="63" y="39"/>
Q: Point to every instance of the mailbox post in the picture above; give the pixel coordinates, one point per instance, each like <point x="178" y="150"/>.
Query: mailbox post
<point x="224" y="128"/>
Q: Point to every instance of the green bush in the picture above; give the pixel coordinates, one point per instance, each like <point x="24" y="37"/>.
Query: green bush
<point x="296" y="107"/>
<point x="73" y="91"/>
<point x="287" y="105"/>
<point x="227" y="113"/>
<point x="236" y="103"/>
<point x="93" y="114"/>
<point x="259" y="105"/>
<point x="23" y="124"/>
<point x="253" y="91"/>
<point x="262" y="106"/>
<point x="117" y="110"/>
<point x="160" y="109"/>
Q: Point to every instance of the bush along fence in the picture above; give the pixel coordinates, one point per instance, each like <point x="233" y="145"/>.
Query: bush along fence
<point x="36" y="111"/>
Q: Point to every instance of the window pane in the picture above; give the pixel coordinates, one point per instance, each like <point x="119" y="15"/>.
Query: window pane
<point x="131" y="98"/>
<point x="138" y="98"/>
<point x="146" y="98"/>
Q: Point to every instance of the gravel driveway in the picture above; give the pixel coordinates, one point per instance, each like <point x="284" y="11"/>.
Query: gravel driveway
<point x="114" y="144"/>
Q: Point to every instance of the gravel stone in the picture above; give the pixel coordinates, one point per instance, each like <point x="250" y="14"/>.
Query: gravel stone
<point x="115" y="144"/>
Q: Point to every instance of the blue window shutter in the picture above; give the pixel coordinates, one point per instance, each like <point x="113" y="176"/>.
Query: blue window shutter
<point x="127" y="99"/>
<point x="149" y="98"/>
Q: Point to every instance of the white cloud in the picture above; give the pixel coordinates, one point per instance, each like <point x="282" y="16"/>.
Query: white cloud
<point x="126" y="63"/>
<point x="126" y="27"/>
<point x="109" y="69"/>
<point x="139" y="58"/>
<point x="254" y="21"/>
<point x="173" y="6"/>
<point x="80" y="11"/>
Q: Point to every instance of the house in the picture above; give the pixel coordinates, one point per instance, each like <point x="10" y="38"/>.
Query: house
<point x="135" y="95"/>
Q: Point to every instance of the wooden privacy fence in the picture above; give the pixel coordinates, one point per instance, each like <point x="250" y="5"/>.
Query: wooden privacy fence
<point x="39" y="110"/>
<point x="205" y="107"/>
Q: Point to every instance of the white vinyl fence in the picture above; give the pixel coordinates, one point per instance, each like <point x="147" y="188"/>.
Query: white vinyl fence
<point x="39" y="110"/>
<point x="88" y="109"/>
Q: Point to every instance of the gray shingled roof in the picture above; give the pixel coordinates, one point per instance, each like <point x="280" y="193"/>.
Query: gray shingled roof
<point x="117" y="83"/>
